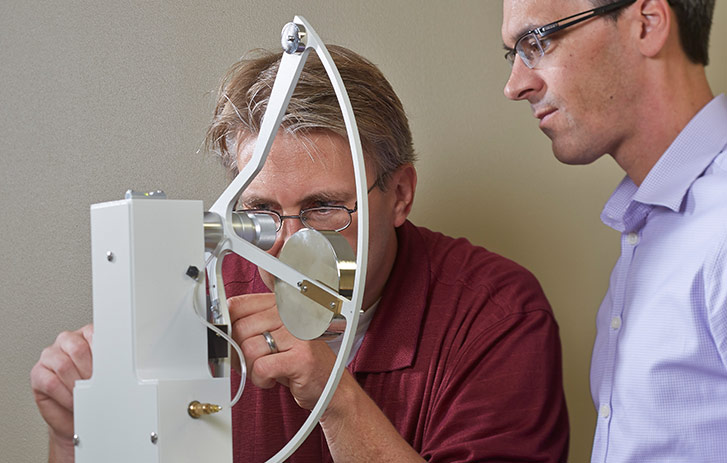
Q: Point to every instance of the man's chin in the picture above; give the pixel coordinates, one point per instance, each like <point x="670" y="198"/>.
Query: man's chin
<point x="268" y="279"/>
<point x="572" y="156"/>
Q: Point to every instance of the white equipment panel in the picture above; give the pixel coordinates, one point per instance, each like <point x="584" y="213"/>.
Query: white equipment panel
<point x="149" y="348"/>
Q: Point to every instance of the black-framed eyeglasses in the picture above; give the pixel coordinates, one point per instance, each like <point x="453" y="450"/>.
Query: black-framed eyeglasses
<point x="531" y="47"/>
<point x="323" y="218"/>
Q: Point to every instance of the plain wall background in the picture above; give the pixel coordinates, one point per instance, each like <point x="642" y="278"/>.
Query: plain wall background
<point x="98" y="97"/>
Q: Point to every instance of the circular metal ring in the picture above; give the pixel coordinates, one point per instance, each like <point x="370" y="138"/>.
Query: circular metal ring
<point x="271" y="342"/>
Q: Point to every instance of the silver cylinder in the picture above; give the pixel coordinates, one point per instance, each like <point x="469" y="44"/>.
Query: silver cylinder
<point x="258" y="229"/>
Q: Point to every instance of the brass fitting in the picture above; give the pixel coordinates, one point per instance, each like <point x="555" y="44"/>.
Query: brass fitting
<point x="197" y="409"/>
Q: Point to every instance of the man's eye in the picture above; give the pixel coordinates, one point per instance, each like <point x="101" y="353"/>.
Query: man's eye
<point x="322" y="212"/>
<point x="323" y="204"/>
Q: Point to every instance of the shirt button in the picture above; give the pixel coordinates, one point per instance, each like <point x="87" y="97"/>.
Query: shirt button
<point x="632" y="238"/>
<point x="604" y="411"/>
<point x="616" y="322"/>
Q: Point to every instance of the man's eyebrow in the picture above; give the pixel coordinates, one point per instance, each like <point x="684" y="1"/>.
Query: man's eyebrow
<point x="255" y="200"/>
<point x="326" y="197"/>
<point x="321" y="196"/>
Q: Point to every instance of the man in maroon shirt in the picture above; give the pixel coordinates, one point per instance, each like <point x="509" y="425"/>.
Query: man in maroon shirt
<point x="457" y="357"/>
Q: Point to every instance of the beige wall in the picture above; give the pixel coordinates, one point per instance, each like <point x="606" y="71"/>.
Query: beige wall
<point x="97" y="97"/>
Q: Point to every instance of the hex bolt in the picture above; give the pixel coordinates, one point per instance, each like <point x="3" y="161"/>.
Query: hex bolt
<point x="192" y="272"/>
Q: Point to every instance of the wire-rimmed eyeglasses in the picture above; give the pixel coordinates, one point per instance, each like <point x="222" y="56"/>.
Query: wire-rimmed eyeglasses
<point x="322" y="218"/>
<point x="531" y="47"/>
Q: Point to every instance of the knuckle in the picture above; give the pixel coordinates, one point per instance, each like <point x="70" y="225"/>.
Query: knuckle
<point x="63" y="336"/>
<point x="44" y="382"/>
<point x="47" y="353"/>
<point x="248" y="347"/>
<point x="238" y="332"/>
<point x="87" y="329"/>
<point x="64" y="368"/>
<point x="36" y="376"/>
<point x="51" y="384"/>
<point x="262" y="375"/>
<point x="77" y="348"/>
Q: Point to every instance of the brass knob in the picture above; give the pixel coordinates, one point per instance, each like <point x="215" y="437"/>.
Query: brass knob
<point x="197" y="409"/>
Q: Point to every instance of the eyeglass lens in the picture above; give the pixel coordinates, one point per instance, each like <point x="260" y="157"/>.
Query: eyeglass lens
<point x="530" y="49"/>
<point x="326" y="218"/>
<point x="318" y="218"/>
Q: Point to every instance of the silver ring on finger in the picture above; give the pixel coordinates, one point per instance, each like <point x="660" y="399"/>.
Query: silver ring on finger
<point x="270" y="341"/>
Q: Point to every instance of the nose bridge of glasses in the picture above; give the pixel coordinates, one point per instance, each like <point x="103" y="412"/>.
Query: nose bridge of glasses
<point x="292" y="220"/>
<point x="289" y="224"/>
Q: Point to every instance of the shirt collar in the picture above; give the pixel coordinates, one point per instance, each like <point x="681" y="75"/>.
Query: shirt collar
<point x="391" y="341"/>
<point x="682" y="163"/>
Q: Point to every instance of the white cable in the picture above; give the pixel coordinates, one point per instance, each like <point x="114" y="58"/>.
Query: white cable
<point x="226" y="337"/>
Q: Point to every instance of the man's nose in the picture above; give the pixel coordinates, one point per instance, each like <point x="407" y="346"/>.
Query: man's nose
<point x="523" y="81"/>
<point x="288" y="228"/>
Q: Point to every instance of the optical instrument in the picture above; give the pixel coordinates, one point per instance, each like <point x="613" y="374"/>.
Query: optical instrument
<point x="152" y="397"/>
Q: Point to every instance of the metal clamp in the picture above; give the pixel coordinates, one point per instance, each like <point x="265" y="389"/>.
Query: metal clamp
<point x="293" y="38"/>
<point x="316" y="294"/>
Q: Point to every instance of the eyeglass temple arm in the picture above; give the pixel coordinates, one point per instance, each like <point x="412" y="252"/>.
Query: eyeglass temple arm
<point x="559" y="25"/>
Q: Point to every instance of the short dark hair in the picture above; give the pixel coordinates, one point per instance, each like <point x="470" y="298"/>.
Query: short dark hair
<point x="694" y="19"/>
<point x="382" y="123"/>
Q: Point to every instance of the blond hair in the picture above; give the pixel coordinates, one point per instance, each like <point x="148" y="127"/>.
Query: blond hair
<point x="245" y="90"/>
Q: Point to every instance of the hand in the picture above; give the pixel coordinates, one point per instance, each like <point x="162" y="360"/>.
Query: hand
<point x="355" y="428"/>
<point x="302" y="366"/>
<point x="53" y="377"/>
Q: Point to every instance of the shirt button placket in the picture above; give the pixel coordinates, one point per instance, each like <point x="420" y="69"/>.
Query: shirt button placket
<point x="628" y="246"/>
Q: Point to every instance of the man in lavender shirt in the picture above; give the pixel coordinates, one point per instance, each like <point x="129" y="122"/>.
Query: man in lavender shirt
<point x="627" y="78"/>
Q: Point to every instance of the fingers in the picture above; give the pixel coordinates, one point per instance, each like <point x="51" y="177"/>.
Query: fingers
<point x="249" y="304"/>
<point x="53" y="377"/>
<point x="255" y="347"/>
<point x="252" y="314"/>
<point x="47" y="386"/>
<point x="69" y="358"/>
<point x="295" y="360"/>
<point x="304" y="370"/>
<point x="258" y="355"/>
<point x="303" y="366"/>
<point x="253" y="325"/>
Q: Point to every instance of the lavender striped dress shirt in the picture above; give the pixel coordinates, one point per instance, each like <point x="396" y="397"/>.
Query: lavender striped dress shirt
<point x="659" y="366"/>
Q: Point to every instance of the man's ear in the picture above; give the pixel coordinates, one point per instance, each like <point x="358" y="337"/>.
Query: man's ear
<point x="655" y="26"/>
<point x="403" y="183"/>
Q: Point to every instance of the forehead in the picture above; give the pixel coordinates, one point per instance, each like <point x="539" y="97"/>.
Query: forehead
<point x="291" y="153"/>
<point x="299" y="166"/>
<point x="520" y="16"/>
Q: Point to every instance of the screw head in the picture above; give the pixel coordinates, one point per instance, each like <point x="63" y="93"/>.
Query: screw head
<point x="76" y="441"/>
<point x="192" y="272"/>
<point x="110" y="256"/>
<point x="154" y="438"/>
